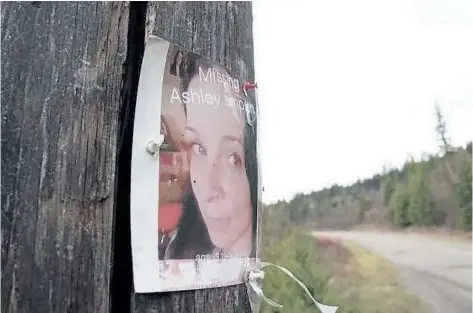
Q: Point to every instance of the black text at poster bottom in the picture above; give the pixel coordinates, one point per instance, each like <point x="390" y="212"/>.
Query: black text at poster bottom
<point x="219" y="255"/>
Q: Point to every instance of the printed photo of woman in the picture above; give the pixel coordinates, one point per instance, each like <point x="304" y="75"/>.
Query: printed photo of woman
<point x="219" y="206"/>
<point x="194" y="205"/>
<point x="172" y="179"/>
<point x="177" y="66"/>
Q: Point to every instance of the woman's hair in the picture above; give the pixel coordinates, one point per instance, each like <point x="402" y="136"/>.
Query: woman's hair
<point x="192" y="237"/>
<point x="173" y="70"/>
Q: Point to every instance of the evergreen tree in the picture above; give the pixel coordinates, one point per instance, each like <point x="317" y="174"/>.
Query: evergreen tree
<point x="441" y="129"/>
<point x="399" y="205"/>
<point x="388" y="187"/>
<point x="421" y="210"/>
<point x="464" y="194"/>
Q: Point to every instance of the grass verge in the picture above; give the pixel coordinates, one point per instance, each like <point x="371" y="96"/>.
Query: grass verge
<point x="344" y="275"/>
<point x="371" y="284"/>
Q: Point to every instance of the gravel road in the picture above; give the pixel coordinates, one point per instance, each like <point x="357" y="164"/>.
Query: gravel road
<point x="438" y="270"/>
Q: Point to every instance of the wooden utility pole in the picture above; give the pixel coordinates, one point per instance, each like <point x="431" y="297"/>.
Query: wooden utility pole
<point x="68" y="88"/>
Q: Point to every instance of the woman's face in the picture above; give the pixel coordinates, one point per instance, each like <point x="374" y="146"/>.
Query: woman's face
<point x="217" y="165"/>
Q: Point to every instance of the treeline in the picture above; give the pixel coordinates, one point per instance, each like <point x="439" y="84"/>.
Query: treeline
<point x="434" y="191"/>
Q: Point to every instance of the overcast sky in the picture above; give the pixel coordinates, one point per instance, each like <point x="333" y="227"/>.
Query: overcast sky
<point x="347" y="86"/>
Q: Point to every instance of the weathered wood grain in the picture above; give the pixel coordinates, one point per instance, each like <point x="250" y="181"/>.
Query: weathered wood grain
<point x="62" y="68"/>
<point x="62" y="91"/>
<point x="221" y="31"/>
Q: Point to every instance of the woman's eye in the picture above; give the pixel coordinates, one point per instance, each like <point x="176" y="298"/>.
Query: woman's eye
<point x="234" y="160"/>
<point x="198" y="149"/>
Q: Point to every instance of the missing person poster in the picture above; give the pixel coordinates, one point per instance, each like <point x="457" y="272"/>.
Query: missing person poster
<point x="194" y="203"/>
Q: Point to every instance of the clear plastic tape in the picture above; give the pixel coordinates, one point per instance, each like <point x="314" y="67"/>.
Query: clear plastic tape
<point x="254" y="282"/>
<point x="254" y="287"/>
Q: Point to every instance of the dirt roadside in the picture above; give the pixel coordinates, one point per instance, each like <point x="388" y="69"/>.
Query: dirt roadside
<point x="436" y="268"/>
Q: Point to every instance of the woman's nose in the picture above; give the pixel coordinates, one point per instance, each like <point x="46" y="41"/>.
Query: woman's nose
<point x="215" y="182"/>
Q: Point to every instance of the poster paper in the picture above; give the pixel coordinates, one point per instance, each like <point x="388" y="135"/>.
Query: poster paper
<point x="194" y="203"/>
